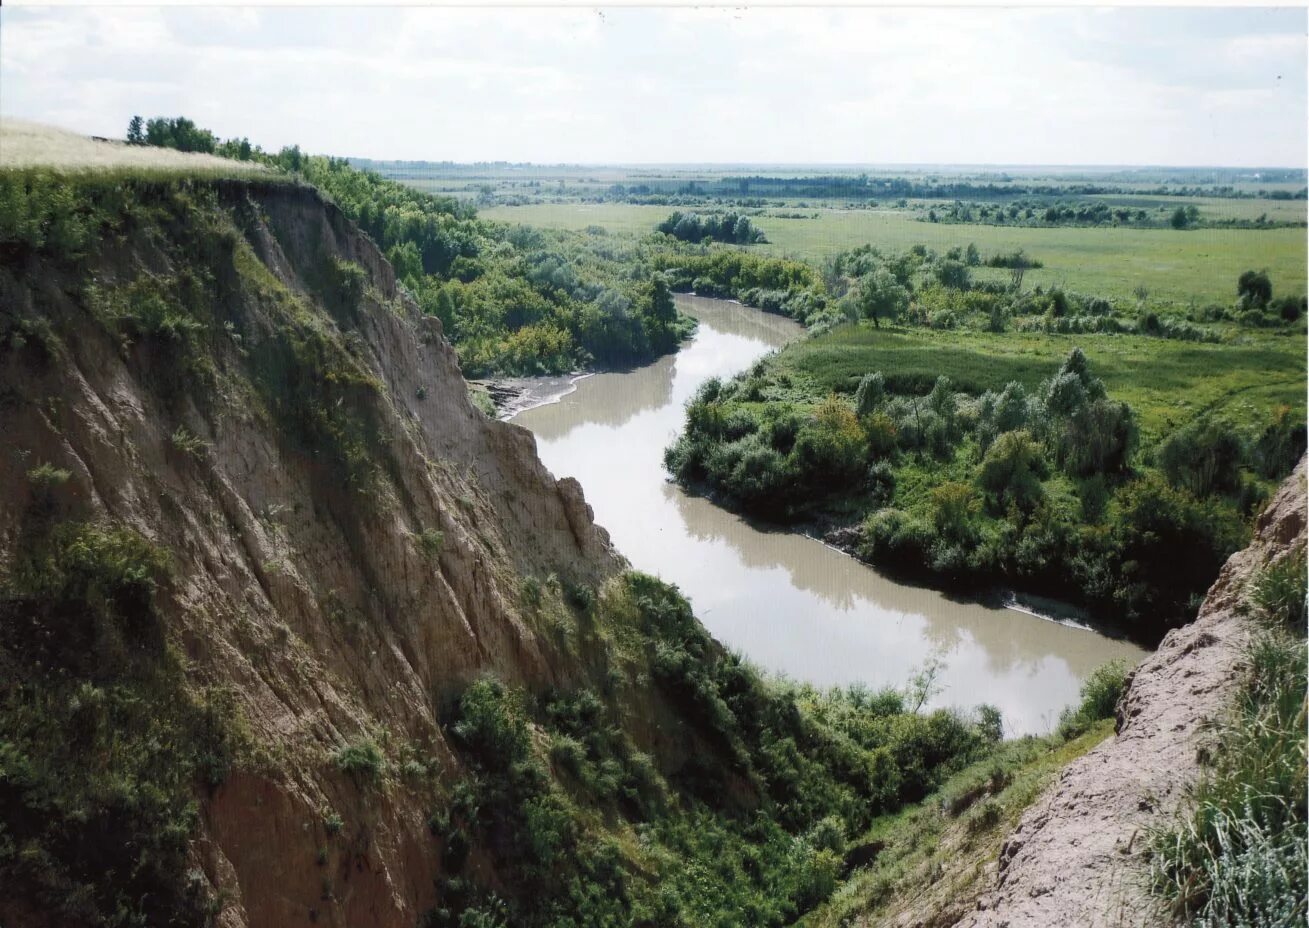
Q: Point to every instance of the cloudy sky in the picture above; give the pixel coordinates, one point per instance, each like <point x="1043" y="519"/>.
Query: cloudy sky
<point x="974" y="86"/>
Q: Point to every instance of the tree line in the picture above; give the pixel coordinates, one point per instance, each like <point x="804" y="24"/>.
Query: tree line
<point x="730" y="228"/>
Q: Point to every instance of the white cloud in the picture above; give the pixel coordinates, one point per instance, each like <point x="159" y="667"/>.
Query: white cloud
<point x="682" y="84"/>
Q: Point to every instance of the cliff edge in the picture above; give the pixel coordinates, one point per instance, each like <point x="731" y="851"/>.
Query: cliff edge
<point x="1077" y="856"/>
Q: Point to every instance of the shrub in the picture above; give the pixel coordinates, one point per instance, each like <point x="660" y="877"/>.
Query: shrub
<point x="1100" y="694"/>
<point x="1204" y="456"/>
<point x="870" y="394"/>
<point x="1281" y="445"/>
<point x="1279" y="592"/>
<point x="363" y="761"/>
<point x="880" y="430"/>
<point x="431" y="541"/>
<point x="47" y="476"/>
<point x="1012" y="470"/>
<point x="954" y="505"/>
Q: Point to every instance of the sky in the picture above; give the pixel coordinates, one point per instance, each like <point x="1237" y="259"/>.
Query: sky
<point x="1084" y="86"/>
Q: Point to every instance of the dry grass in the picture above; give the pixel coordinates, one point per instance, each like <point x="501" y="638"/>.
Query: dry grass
<point x="28" y="144"/>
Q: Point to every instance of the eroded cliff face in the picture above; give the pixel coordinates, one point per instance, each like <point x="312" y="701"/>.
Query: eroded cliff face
<point x="1078" y="855"/>
<point x="349" y="536"/>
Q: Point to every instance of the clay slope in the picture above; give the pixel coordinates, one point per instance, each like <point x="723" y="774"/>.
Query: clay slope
<point x="1077" y="856"/>
<point x="315" y="589"/>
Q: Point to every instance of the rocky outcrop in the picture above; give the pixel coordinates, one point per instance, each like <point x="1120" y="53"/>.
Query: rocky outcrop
<point x="333" y="612"/>
<point x="1076" y="857"/>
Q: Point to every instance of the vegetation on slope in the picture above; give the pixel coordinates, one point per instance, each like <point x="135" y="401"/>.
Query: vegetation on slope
<point x="740" y="813"/>
<point x="752" y="828"/>
<point x="512" y="300"/>
<point x="927" y="863"/>
<point x="1240" y="853"/>
<point x="104" y="747"/>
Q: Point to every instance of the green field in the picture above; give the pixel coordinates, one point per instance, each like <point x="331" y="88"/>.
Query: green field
<point x="1175" y="267"/>
<point x="1166" y="382"/>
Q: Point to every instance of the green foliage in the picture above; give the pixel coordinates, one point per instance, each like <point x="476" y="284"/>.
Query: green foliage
<point x="184" y="442"/>
<point x="730" y="227"/>
<point x="1281" y="445"/>
<point x="870" y="394"/>
<point x="47" y="476"/>
<point x="178" y="132"/>
<point x="363" y="761"/>
<point x="1012" y="471"/>
<point x="512" y="301"/>
<point x="431" y="541"/>
<point x="1279" y="593"/>
<point x="1099" y="697"/>
<point x="1066" y="513"/>
<point x="1237" y="855"/>
<point x="778" y="285"/>
<point x="1204" y="456"/>
<point x="749" y="829"/>
<point x="88" y="675"/>
<point x="881" y="296"/>
<point x="1254" y="289"/>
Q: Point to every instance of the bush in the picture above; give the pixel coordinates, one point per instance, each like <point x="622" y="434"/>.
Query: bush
<point x="1204" y="456"/>
<point x="1100" y="695"/>
<point x="1280" y="592"/>
<point x="1281" y="445"/>
<point x="363" y="761"/>
<point x="1012" y="470"/>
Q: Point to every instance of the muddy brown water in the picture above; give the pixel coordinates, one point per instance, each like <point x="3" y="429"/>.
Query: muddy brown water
<point x="789" y="603"/>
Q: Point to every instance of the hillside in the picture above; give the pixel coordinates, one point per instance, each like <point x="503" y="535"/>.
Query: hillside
<point x="291" y="633"/>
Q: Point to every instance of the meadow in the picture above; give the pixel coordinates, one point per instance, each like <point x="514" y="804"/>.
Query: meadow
<point x="1177" y="268"/>
<point x="1168" y="383"/>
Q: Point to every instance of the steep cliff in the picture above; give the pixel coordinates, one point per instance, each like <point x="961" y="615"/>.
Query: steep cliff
<point x="229" y="372"/>
<point x="1078" y="857"/>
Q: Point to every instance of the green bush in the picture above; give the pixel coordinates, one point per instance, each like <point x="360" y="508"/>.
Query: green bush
<point x="363" y="761"/>
<point x="90" y="676"/>
<point x="1100" y="694"/>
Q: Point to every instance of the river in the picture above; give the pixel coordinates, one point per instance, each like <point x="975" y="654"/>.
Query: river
<point x="788" y="602"/>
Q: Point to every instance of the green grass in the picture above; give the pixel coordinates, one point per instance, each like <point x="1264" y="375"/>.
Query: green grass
<point x="1176" y="267"/>
<point x="1237" y="854"/>
<point x="938" y="855"/>
<point x="1167" y="382"/>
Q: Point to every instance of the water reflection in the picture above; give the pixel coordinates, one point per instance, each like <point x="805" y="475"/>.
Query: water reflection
<point x="788" y="602"/>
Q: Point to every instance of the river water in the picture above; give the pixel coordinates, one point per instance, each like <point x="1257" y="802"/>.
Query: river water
<point x="787" y="602"/>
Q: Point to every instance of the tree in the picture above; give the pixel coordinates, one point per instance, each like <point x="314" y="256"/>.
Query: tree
<point x="1204" y="457"/>
<point x="1254" y="289"/>
<point x="971" y="256"/>
<point x="870" y="394"/>
<point x="662" y="307"/>
<point x="952" y="274"/>
<point x="880" y="296"/>
<point x="136" y="131"/>
<point x="1012" y="471"/>
<point x="1184" y="217"/>
<point x="1018" y="264"/>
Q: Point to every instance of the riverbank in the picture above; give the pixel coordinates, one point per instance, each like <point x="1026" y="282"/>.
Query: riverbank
<point x="513" y="395"/>
<point x="789" y="603"/>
